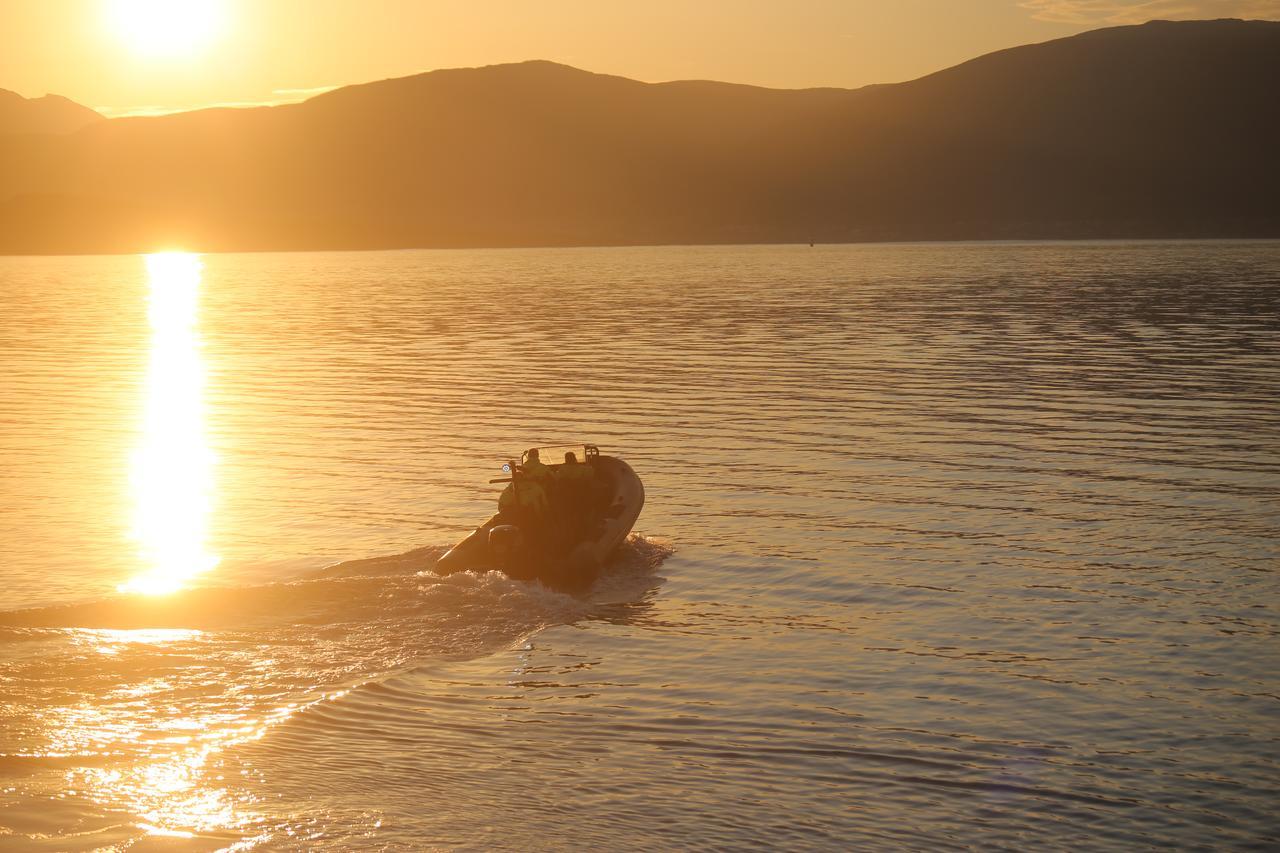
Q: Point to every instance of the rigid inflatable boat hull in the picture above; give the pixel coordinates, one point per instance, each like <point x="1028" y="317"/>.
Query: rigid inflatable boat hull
<point x="581" y="566"/>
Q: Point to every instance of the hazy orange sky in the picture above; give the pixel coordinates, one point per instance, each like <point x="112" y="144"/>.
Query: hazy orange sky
<point x="261" y="51"/>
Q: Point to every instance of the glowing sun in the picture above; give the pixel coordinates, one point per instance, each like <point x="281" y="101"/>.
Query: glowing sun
<point x="165" y="28"/>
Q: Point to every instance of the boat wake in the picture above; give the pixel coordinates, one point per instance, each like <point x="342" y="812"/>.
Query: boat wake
<point x="132" y="698"/>
<point x="364" y="591"/>
<point x="119" y="692"/>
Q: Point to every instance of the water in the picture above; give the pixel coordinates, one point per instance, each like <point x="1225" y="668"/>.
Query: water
<point x="945" y="546"/>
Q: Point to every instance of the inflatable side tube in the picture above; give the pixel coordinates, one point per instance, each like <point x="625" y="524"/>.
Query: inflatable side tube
<point x="470" y="553"/>
<point x="628" y="498"/>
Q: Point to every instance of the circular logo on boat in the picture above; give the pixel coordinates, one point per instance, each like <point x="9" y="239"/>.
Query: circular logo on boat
<point x="506" y="467"/>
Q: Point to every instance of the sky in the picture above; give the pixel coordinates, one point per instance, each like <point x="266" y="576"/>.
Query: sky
<point x="137" y="56"/>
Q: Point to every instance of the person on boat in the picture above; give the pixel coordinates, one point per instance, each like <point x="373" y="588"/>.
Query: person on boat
<point x="573" y="471"/>
<point x="534" y="469"/>
<point x="524" y="503"/>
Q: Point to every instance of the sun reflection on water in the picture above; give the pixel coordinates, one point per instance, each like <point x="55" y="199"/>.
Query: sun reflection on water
<point x="158" y="755"/>
<point x="172" y="469"/>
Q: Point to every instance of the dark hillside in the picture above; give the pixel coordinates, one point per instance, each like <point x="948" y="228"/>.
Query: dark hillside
<point x="1167" y="129"/>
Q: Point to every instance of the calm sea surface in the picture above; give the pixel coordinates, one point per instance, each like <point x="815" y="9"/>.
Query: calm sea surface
<point x="946" y="546"/>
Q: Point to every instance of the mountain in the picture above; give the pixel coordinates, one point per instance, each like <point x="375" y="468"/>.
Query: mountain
<point x="50" y="114"/>
<point x="1159" y="130"/>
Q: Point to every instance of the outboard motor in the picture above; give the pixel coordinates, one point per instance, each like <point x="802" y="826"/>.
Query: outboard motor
<point x="504" y="540"/>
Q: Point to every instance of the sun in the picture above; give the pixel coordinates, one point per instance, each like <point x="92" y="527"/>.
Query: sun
<point x="165" y="28"/>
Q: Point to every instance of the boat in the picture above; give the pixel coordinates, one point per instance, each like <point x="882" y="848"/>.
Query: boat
<point x="567" y="549"/>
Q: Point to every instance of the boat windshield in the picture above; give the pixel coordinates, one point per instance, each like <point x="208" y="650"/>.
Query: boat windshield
<point x="555" y="454"/>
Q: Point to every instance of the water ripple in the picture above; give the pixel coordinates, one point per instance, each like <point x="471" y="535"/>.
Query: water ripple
<point x="946" y="546"/>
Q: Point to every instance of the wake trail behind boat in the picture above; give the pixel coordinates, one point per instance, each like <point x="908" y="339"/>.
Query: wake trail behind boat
<point x="376" y="589"/>
<point x="132" y="683"/>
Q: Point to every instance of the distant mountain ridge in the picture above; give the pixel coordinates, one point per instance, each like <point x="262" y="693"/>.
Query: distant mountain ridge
<point x="49" y="114"/>
<point x="1160" y="130"/>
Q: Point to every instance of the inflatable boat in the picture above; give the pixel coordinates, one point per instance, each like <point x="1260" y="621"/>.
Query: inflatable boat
<point x="565" y="541"/>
